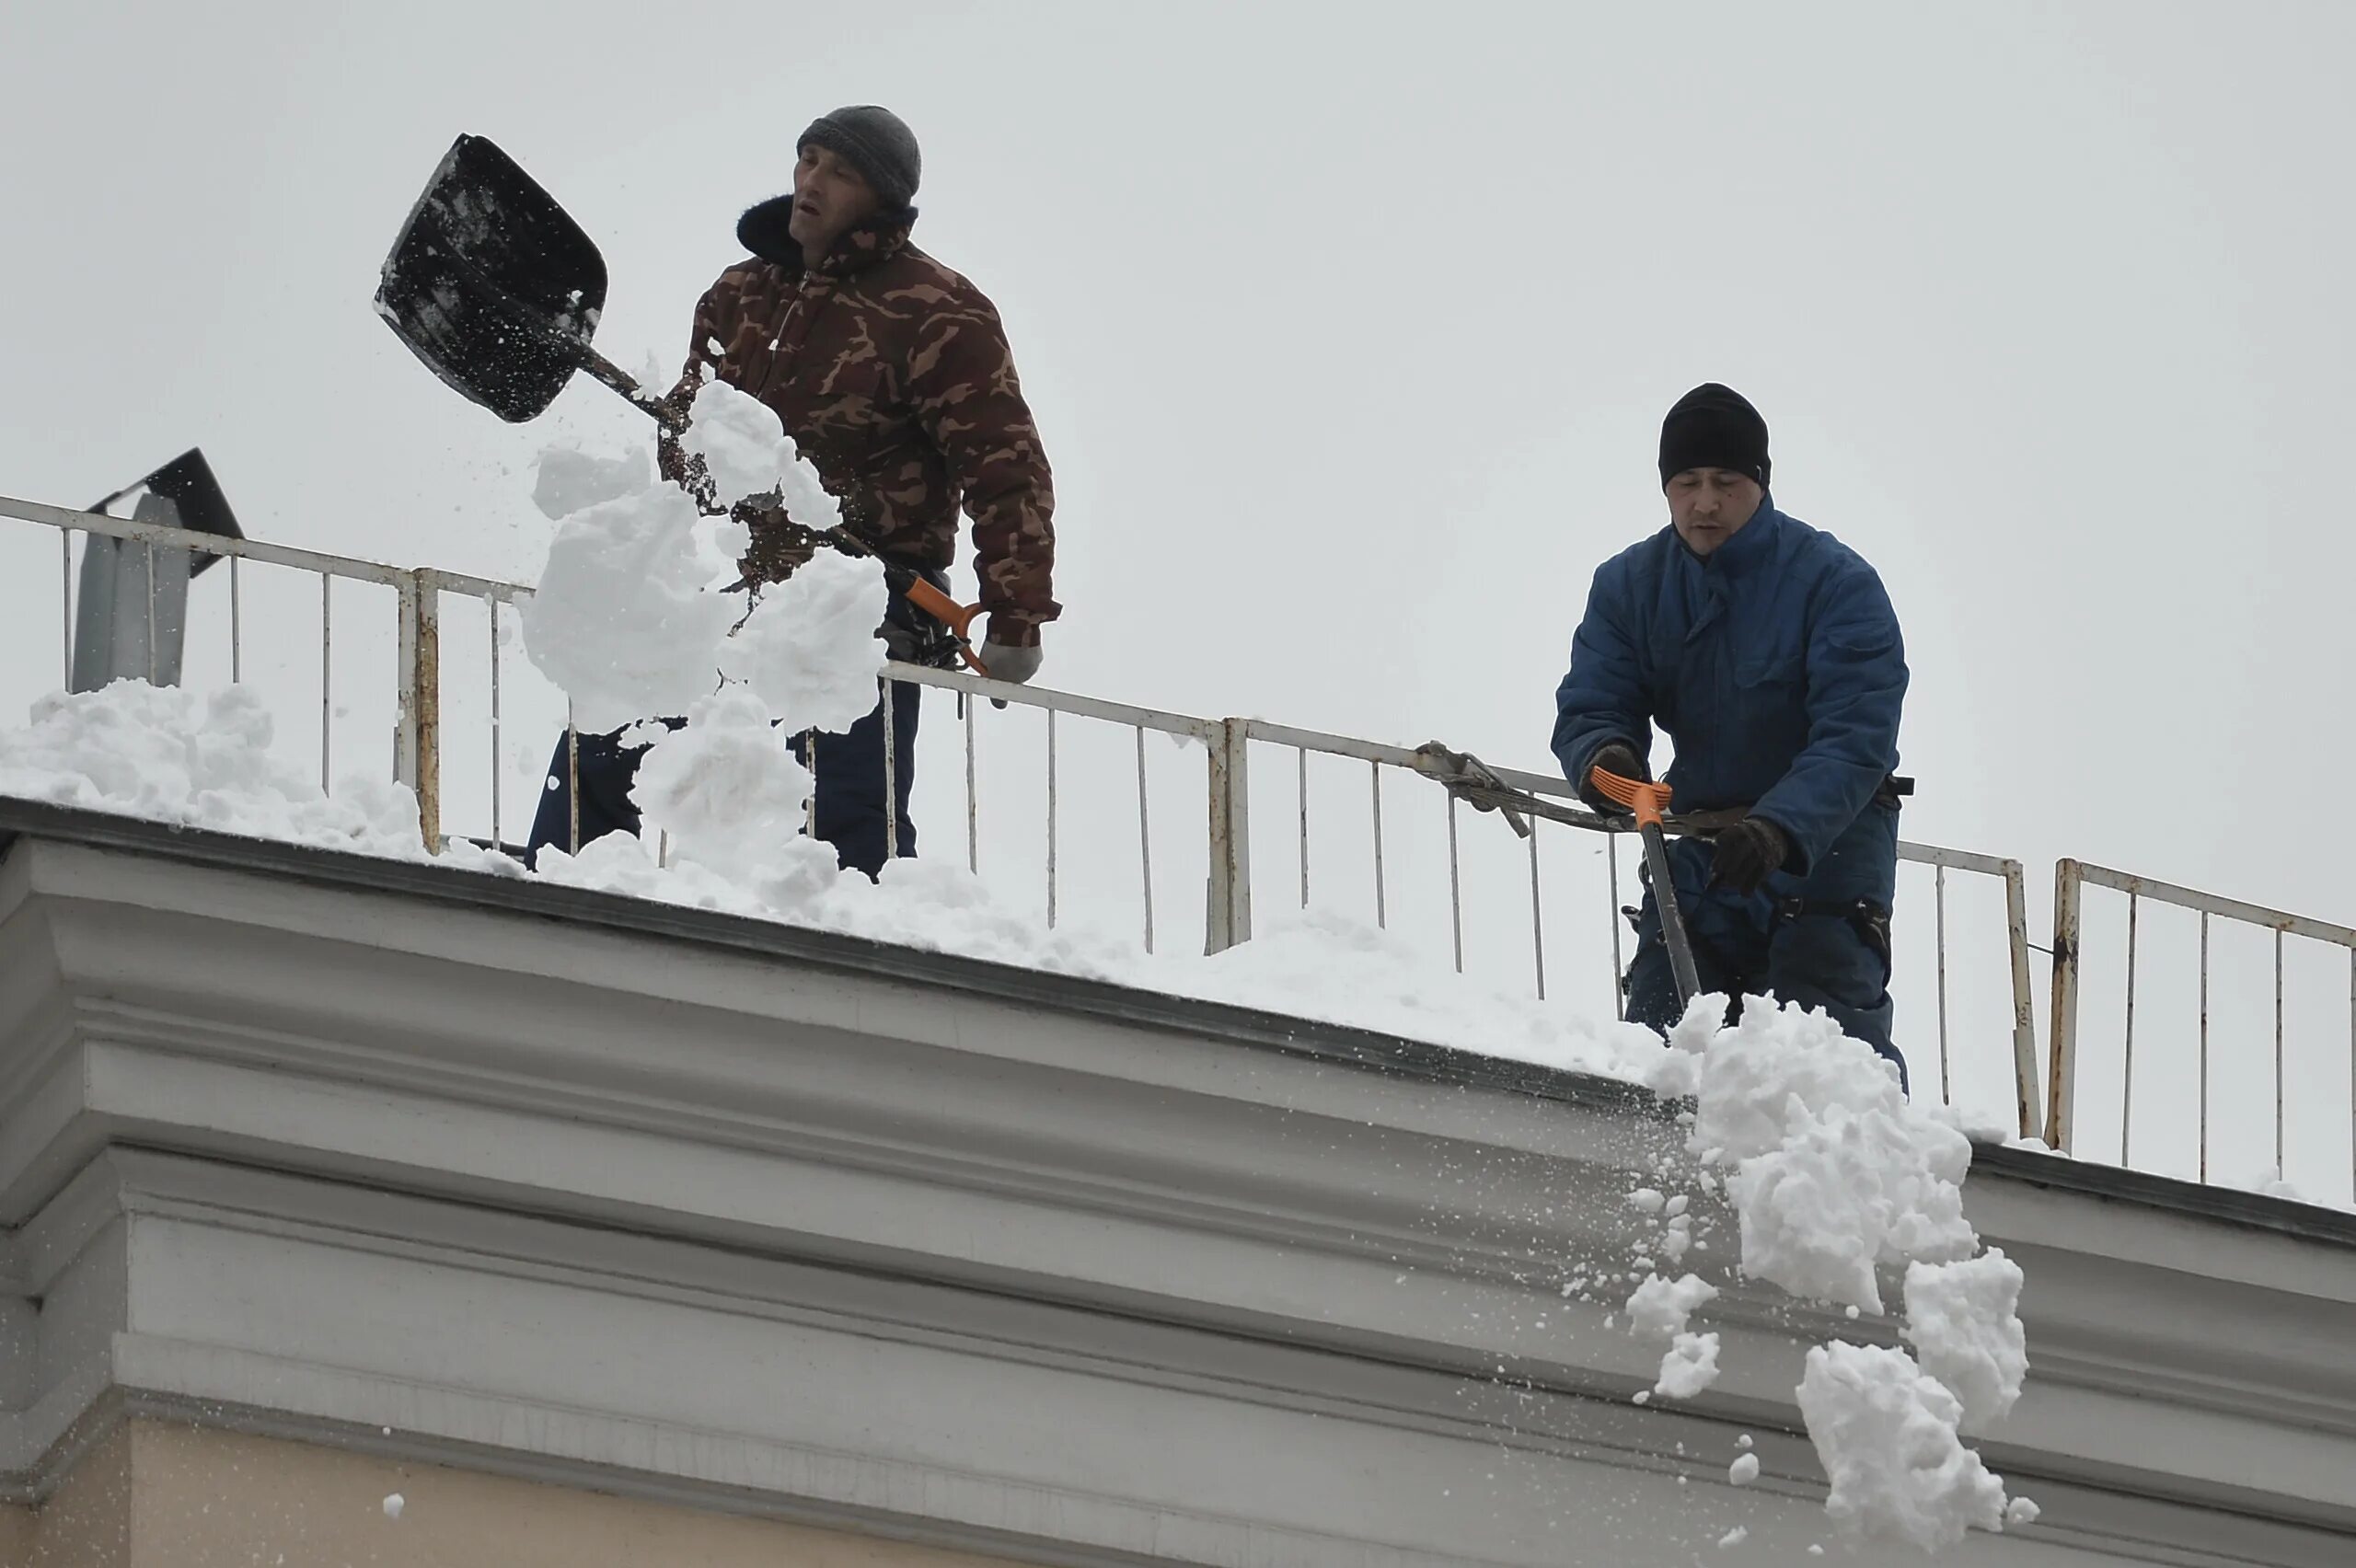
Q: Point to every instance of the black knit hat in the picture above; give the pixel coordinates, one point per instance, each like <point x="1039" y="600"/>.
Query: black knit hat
<point x="879" y="144"/>
<point x="1713" y="427"/>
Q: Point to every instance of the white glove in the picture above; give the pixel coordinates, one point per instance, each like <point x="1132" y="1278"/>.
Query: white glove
<point x="1014" y="664"/>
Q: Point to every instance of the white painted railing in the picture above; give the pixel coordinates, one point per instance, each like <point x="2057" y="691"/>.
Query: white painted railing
<point x="1229" y="746"/>
<point x="2071" y="878"/>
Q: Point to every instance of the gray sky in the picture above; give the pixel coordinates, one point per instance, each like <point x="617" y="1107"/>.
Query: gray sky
<point x="1349" y="327"/>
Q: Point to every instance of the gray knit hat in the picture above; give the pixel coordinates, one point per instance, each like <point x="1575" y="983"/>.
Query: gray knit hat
<point x="879" y="144"/>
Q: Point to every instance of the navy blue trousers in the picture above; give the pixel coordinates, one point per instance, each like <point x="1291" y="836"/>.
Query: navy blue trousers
<point x="1797" y="940"/>
<point x="849" y="767"/>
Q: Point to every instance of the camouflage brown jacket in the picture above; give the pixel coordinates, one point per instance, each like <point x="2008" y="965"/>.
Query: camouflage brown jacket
<point x="893" y="375"/>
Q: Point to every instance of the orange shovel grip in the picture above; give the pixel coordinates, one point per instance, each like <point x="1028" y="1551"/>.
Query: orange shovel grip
<point x="957" y="618"/>
<point x="1647" y="801"/>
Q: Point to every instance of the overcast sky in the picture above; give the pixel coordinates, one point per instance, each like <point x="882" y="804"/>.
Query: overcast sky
<point x="1349" y="329"/>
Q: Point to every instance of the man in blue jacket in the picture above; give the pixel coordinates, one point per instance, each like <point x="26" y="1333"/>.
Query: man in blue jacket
<point x="1768" y="652"/>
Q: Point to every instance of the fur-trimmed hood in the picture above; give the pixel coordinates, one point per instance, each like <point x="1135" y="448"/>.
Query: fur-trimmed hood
<point x="763" y="231"/>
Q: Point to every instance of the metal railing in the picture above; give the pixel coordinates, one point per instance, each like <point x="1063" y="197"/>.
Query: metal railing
<point x="2069" y="880"/>
<point x="1382" y="759"/>
<point x="1220" y="829"/>
<point x="417" y="739"/>
<point x="418" y="749"/>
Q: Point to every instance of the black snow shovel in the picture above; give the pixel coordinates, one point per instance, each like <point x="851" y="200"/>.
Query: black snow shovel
<point x="494" y="286"/>
<point x="497" y="289"/>
<point x="1648" y="802"/>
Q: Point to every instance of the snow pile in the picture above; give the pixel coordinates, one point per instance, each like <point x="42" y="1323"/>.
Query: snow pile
<point x="167" y="754"/>
<point x="1316" y="963"/>
<point x="728" y="794"/>
<point x="626" y="617"/>
<point x="1834" y="1174"/>
<point x="748" y="456"/>
<point x="1963" y="1320"/>
<point x="2267" y="1182"/>
<point x="725" y="789"/>
<point x="1885" y="1431"/>
<point x="1312" y="965"/>
<point x="1836" y="1169"/>
<point x="810" y="648"/>
<point x="1691" y="1367"/>
<point x="1661" y="1308"/>
<point x="630" y="620"/>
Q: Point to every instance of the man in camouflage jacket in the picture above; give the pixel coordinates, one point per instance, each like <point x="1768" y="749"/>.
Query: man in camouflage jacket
<point x="893" y="376"/>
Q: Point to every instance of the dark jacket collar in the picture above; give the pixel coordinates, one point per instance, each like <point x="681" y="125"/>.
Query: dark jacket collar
<point x="762" y="230"/>
<point x="1753" y="542"/>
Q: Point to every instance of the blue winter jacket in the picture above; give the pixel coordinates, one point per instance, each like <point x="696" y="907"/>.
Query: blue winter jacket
<point x="1776" y="666"/>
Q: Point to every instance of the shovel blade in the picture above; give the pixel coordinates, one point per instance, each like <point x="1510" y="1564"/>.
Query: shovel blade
<point x="492" y="284"/>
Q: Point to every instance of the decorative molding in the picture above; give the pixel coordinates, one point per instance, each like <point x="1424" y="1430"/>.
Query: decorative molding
<point x="233" y="1086"/>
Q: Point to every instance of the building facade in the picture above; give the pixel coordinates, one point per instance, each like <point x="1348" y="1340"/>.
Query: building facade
<point x="366" y="1213"/>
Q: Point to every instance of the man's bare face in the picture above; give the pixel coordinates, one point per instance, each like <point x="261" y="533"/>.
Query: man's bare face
<point x="830" y="199"/>
<point x="1709" y="506"/>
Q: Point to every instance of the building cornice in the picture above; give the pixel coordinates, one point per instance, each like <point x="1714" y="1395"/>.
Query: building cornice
<point x="332" y="1068"/>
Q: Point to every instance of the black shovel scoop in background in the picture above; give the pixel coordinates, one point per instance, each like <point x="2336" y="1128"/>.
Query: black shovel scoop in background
<point x="497" y="289"/>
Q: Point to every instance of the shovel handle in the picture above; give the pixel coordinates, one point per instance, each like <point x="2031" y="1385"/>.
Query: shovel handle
<point x="1683" y="970"/>
<point x="607" y="374"/>
<point x="957" y="618"/>
<point x="1650" y="801"/>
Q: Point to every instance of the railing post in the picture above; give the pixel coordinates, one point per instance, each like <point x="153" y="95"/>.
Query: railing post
<point x="1229" y="919"/>
<point x="2025" y="1082"/>
<point x="2061" y="1112"/>
<point x="417" y="749"/>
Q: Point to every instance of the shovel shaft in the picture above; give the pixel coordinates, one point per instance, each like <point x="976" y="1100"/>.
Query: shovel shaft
<point x="607" y="373"/>
<point x="1672" y="919"/>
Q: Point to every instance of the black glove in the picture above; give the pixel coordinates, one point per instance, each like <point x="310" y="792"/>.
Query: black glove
<point x="1746" y="853"/>
<point x="1613" y="756"/>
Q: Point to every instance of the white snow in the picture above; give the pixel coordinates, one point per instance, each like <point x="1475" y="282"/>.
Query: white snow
<point x="1316" y="963"/>
<point x="1660" y="1308"/>
<point x="1835" y="1175"/>
<point x="810" y="650"/>
<point x="1691" y="1367"/>
<point x="2267" y="1182"/>
<point x="1887" y="1436"/>
<point x="1836" y="1169"/>
<point x="1831" y="1172"/>
<point x="170" y="755"/>
<point x="747" y="454"/>
<point x="1744" y="1471"/>
<point x="626" y="618"/>
<point x="1962" y="1318"/>
<point x="1734" y="1538"/>
<point x="570" y="480"/>
<point x="725" y="787"/>
<point x="394" y="1503"/>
